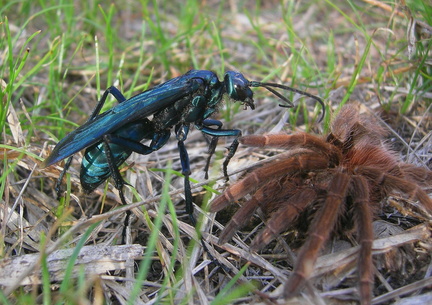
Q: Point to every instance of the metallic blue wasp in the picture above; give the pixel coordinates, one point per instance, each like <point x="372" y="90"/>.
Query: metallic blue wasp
<point x="110" y="137"/>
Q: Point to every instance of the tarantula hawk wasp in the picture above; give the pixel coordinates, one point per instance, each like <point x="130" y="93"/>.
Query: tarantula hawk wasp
<point x="110" y="137"/>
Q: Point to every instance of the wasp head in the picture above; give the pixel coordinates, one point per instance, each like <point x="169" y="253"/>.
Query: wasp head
<point x="238" y="88"/>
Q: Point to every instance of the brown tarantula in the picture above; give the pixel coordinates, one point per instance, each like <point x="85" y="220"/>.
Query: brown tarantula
<point x="348" y="173"/>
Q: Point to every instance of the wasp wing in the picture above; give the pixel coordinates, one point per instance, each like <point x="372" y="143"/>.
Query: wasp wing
<point x="135" y="108"/>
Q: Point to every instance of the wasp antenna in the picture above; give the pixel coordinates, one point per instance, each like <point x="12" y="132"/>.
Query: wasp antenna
<point x="286" y="100"/>
<point x="268" y="87"/>
<point x="290" y="104"/>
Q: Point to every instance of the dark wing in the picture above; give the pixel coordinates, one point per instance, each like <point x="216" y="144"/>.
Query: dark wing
<point x="135" y="108"/>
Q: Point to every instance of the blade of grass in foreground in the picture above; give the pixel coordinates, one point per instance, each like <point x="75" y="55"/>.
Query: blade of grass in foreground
<point x="144" y="266"/>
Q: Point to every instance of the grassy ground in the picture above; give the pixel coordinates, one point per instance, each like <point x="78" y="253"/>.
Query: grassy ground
<point x="56" y="59"/>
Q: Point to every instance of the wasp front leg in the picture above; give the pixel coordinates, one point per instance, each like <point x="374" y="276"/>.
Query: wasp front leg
<point x="224" y="133"/>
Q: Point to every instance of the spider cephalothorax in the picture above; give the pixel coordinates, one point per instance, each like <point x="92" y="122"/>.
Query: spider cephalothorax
<point x="347" y="173"/>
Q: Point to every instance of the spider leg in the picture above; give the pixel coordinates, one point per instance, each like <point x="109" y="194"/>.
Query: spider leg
<point x="359" y="191"/>
<point x="283" y="217"/>
<point x="319" y="232"/>
<point x="389" y="182"/>
<point x="298" y="140"/>
<point x="265" y="173"/>
<point x="238" y="220"/>
<point x="419" y="175"/>
<point x="278" y="192"/>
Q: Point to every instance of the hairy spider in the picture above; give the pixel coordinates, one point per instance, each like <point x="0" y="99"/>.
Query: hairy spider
<point x="346" y="174"/>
